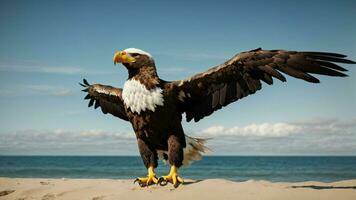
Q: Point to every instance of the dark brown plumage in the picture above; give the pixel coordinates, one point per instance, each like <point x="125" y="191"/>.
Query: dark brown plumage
<point x="242" y="75"/>
<point x="158" y="125"/>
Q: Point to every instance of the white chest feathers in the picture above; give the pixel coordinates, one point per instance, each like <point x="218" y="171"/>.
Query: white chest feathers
<point x="138" y="98"/>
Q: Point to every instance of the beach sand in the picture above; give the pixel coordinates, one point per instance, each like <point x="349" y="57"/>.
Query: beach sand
<point x="102" y="189"/>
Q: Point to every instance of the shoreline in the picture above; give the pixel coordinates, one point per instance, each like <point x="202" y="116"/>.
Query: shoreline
<point x="106" y="189"/>
<point x="186" y="180"/>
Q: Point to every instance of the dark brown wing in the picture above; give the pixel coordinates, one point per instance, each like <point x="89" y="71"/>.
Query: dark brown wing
<point x="106" y="97"/>
<point x="240" y="76"/>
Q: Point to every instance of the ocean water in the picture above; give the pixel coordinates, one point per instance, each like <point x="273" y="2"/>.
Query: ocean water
<point x="236" y="168"/>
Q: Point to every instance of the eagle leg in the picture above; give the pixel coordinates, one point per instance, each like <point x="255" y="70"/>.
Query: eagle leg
<point x="149" y="179"/>
<point x="172" y="177"/>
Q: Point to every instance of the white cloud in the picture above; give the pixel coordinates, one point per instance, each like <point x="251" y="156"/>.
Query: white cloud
<point x="39" y="90"/>
<point x="307" y="137"/>
<point x="282" y="129"/>
<point x="62" y="92"/>
<point x="67" y="142"/>
<point x="327" y="126"/>
<point x="25" y="66"/>
<point x="312" y="137"/>
<point x="49" y="90"/>
<point x="62" y="70"/>
<point x="260" y="130"/>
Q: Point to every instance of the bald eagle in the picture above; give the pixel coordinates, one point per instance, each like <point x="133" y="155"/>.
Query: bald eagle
<point x="154" y="106"/>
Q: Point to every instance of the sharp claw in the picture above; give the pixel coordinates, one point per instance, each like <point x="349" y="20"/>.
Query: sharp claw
<point x="146" y="181"/>
<point x="174" y="179"/>
<point x="150" y="179"/>
<point x="140" y="183"/>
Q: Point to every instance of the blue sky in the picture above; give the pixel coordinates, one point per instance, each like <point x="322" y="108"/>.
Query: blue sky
<point x="47" y="47"/>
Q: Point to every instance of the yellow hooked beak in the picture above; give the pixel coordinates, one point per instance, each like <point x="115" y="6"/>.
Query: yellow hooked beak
<point x="122" y="57"/>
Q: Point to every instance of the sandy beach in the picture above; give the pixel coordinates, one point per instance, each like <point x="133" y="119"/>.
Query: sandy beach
<point x="102" y="189"/>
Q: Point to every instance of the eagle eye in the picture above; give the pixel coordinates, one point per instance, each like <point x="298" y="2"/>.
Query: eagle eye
<point x="134" y="54"/>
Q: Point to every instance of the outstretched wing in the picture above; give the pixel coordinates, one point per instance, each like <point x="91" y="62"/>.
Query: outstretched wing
<point x="241" y="76"/>
<point x="106" y="97"/>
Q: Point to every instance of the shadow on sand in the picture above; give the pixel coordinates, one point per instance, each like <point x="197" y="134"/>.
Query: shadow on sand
<point x="191" y="182"/>
<point x="316" y="187"/>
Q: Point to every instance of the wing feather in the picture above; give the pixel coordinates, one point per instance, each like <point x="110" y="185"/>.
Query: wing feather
<point x="242" y="74"/>
<point x="106" y="97"/>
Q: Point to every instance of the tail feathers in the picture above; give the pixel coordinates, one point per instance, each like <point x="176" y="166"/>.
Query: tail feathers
<point x="195" y="147"/>
<point x="194" y="150"/>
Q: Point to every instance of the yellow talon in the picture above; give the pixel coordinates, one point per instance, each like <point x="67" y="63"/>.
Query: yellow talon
<point x="149" y="179"/>
<point x="172" y="177"/>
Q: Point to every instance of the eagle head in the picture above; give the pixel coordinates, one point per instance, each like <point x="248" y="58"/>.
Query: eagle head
<point x="133" y="58"/>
